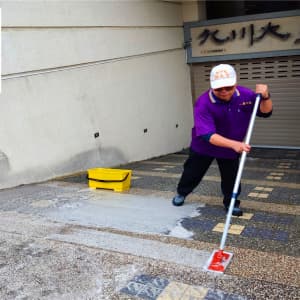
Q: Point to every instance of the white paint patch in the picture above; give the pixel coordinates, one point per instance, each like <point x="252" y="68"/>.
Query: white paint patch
<point x="73" y="205"/>
<point x="42" y="203"/>
<point x="123" y="274"/>
<point x="196" y="212"/>
<point x="146" y="214"/>
<point x="181" y="232"/>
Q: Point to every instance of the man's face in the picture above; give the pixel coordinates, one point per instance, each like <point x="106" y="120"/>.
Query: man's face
<point x="224" y="93"/>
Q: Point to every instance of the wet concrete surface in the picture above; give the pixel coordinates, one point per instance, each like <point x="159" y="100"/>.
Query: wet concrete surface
<point x="62" y="240"/>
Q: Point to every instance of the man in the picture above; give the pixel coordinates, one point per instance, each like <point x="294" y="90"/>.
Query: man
<point x="221" y="119"/>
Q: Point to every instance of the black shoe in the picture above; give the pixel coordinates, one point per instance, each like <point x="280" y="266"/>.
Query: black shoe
<point x="237" y="212"/>
<point x="178" y="200"/>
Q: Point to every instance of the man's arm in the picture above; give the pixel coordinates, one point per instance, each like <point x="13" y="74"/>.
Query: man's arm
<point x="266" y="105"/>
<point x="239" y="147"/>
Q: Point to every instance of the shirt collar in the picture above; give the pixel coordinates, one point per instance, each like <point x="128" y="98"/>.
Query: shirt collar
<point x="214" y="99"/>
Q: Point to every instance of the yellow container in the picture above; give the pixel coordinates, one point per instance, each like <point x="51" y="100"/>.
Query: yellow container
<point x="112" y="179"/>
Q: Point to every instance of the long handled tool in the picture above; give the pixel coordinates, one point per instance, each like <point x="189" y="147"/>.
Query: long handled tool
<point x="220" y="259"/>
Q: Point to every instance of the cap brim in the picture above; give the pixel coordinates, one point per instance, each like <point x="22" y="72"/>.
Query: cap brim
<point x="223" y="83"/>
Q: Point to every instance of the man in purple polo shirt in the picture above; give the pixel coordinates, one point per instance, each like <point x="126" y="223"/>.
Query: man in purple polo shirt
<point x="221" y="119"/>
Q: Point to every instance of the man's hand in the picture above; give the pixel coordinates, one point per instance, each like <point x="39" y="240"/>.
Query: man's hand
<point x="263" y="90"/>
<point x="239" y="147"/>
<point x="266" y="105"/>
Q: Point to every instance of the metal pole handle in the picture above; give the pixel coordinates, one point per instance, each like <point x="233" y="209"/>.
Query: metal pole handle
<point x="239" y="173"/>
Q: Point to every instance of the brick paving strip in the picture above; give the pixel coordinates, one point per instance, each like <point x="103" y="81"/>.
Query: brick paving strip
<point x="289" y="185"/>
<point x="152" y="287"/>
<point x="257" y="169"/>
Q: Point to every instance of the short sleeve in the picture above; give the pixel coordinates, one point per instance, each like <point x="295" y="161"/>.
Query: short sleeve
<point x="204" y="121"/>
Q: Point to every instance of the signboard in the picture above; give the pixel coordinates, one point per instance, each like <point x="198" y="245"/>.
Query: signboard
<point x="247" y="39"/>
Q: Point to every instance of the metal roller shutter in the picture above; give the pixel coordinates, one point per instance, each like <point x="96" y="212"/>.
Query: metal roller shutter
<point x="282" y="75"/>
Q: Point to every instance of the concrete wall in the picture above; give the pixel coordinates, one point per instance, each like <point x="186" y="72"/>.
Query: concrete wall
<point x="193" y="10"/>
<point x="71" y="69"/>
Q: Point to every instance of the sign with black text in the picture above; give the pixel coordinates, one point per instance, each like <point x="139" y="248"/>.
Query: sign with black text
<point x="242" y="38"/>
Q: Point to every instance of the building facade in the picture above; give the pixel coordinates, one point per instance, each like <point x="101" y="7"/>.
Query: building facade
<point x="102" y="83"/>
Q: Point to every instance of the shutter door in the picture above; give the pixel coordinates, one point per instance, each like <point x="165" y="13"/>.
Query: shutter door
<point x="282" y="75"/>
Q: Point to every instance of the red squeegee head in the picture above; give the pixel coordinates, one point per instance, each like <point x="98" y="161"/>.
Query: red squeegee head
<point x="219" y="261"/>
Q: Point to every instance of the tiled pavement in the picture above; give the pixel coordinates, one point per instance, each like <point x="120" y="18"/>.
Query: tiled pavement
<point x="266" y="239"/>
<point x="153" y="287"/>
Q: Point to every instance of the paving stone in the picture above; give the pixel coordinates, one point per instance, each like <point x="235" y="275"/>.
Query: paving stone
<point x="133" y="288"/>
<point x="279" y="195"/>
<point x="145" y="286"/>
<point x="264" y="217"/>
<point x="195" y="293"/>
<point x="196" y="224"/>
<point x="277" y="235"/>
<point x="213" y="211"/>
<point x="174" y="290"/>
<point x="157" y="282"/>
<point x="149" y="292"/>
<point x="233" y="229"/>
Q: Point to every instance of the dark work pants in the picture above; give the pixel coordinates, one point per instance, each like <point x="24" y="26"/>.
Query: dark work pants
<point x="195" y="168"/>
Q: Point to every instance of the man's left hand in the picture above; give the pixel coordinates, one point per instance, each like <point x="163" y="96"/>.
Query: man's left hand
<point x="263" y="90"/>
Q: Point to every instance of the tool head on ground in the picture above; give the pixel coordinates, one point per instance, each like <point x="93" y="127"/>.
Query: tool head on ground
<point x="218" y="262"/>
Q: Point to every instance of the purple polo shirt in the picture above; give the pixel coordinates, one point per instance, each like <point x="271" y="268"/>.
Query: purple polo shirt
<point x="229" y="119"/>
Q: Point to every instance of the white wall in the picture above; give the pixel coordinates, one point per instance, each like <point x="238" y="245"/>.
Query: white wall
<point x="74" y="68"/>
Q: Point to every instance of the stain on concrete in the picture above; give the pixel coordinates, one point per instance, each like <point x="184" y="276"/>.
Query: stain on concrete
<point x="97" y="157"/>
<point x="4" y="165"/>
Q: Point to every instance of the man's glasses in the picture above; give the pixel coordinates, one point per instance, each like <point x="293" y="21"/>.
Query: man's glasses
<point x="226" y="88"/>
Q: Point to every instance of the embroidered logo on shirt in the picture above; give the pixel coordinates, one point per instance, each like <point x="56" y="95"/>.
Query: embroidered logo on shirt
<point x="246" y="103"/>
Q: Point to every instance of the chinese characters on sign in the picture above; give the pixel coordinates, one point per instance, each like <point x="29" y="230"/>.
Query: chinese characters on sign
<point x="246" y="37"/>
<point x="268" y="29"/>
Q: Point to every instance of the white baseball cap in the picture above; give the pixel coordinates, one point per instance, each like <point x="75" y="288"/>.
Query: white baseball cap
<point x="221" y="76"/>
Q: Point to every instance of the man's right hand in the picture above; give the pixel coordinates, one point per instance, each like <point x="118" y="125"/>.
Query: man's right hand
<point x="239" y="147"/>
